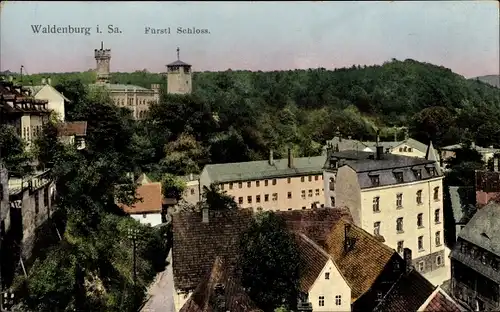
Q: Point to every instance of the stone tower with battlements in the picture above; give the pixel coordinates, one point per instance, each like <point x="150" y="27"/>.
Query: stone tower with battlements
<point x="103" y="58"/>
<point x="179" y="77"/>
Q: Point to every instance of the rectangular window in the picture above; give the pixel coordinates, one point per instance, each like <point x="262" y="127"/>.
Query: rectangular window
<point x="401" y="246"/>
<point x="37" y="207"/>
<point x="436" y="193"/>
<point x="420" y="243"/>
<point x="376" y="204"/>
<point x="399" y="201"/>
<point x="316" y="192"/>
<point x="438" y="238"/>
<point x="321" y="302"/>
<point x="310" y="178"/>
<point x="275" y="196"/>
<point x="240" y="200"/>
<point x="399" y="225"/>
<point x="338" y="300"/>
<point x="266" y="182"/>
<point x="399" y="177"/>
<point x="421" y="266"/>
<point x="144" y="216"/>
<point x="316" y="178"/>
<point x="274" y="181"/>
<point x="375" y="180"/>
<point x="45" y="197"/>
<point x="249" y="199"/>
<point x="266" y="197"/>
<point x="437" y="219"/>
<point x="249" y="184"/>
<point x="327" y="275"/>
<point x="257" y="183"/>
<point x="419" y="197"/>
<point x="240" y="184"/>
<point x="332" y="201"/>
<point x="289" y="195"/>
<point x="332" y="184"/>
<point x="257" y="198"/>
<point x="230" y="186"/>
<point x="303" y="194"/>
<point x="376" y="228"/>
<point x="310" y="193"/>
<point x="222" y="186"/>
<point x="420" y="220"/>
<point x="302" y="179"/>
<point x="289" y="180"/>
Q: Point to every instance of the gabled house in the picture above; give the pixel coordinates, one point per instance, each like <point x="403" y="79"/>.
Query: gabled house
<point x="198" y="239"/>
<point x="56" y="100"/>
<point x="440" y="301"/>
<point x="148" y="209"/>
<point x="73" y="133"/>
<point x="488" y="184"/>
<point x="322" y="285"/>
<point x="220" y="290"/>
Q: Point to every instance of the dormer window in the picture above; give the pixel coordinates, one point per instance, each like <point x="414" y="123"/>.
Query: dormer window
<point x="375" y="180"/>
<point x="417" y="173"/>
<point x="398" y="176"/>
<point x="333" y="163"/>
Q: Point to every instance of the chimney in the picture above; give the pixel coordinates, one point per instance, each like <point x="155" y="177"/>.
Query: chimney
<point x="407" y="259"/>
<point x="380" y="152"/>
<point x="271" y="159"/>
<point x="377" y="140"/>
<point x="220" y="298"/>
<point x="191" y="177"/>
<point x="290" y="158"/>
<point x="204" y="218"/>
<point x="44" y="81"/>
<point x="347" y="241"/>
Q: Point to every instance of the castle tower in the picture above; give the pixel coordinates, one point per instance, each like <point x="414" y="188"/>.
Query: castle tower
<point x="179" y="77"/>
<point x="102" y="58"/>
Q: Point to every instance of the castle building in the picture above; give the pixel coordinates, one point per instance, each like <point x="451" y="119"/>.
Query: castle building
<point x="135" y="98"/>
<point x="179" y="77"/>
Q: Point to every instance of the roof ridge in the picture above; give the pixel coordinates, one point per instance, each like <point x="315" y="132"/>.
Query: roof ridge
<point x="313" y="244"/>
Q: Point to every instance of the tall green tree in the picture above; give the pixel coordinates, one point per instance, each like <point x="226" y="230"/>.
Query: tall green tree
<point x="270" y="263"/>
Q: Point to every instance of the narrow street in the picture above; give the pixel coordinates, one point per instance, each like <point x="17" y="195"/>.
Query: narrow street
<point x="160" y="294"/>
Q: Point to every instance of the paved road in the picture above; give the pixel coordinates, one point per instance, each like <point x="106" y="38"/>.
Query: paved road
<point x="161" y="291"/>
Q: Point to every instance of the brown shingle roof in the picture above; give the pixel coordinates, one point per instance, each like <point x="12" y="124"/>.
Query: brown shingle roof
<point x="316" y="223"/>
<point x="364" y="262"/>
<point x="78" y="128"/>
<point x="197" y="244"/>
<point x="313" y="260"/>
<point x="442" y="303"/>
<point x="204" y="298"/>
<point x="151" y="200"/>
<point x="409" y="293"/>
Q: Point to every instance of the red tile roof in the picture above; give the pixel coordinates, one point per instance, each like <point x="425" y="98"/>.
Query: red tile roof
<point x="205" y="298"/>
<point x="196" y="244"/>
<point x="314" y="259"/>
<point x="78" y="128"/>
<point x="364" y="262"/>
<point x="442" y="303"/>
<point x="151" y="200"/>
<point x="315" y="223"/>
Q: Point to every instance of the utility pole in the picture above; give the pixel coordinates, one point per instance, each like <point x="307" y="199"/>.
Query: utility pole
<point x="22" y="66"/>
<point x="132" y="235"/>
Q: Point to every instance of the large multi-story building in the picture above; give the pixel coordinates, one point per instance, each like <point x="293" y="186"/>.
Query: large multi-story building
<point x="274" y="184"/>
<point x="397" y="198"/>
<point x="475" y="261"/>
<point x="135" y="98"/>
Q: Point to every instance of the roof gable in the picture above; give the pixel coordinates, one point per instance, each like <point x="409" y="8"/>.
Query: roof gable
<point x="196" y="245"/>
<point x="37" y="89"/>
<point x="151" y="200"/>
<point x="440" y="301"/>
<point x="483" y="229"/>
<point x="364" y="262"/>
<point x="204" y="297"/>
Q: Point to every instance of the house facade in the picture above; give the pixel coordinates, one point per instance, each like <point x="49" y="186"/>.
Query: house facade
<point x="276" y="184"/>
<point x="397" y="198"/>
<point x="192" y="193"/>
<point x="56" y="100"/>
<point x="488" y="184"/>
<point x="475" y="268"/>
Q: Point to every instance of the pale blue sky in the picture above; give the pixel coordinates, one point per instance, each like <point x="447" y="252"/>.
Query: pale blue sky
<point x="462" y="35"/>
